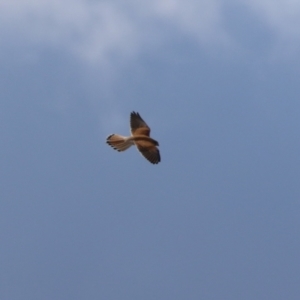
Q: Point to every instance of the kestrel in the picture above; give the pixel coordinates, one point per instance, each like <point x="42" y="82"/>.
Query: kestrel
<point x="140" y="136"/>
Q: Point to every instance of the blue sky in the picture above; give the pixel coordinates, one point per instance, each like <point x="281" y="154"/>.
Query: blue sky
<point x="218" y="83"/>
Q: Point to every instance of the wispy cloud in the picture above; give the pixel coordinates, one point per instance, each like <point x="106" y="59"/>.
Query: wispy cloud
<point x="100" y="31"/>
<point x="112" y="32"/>
<point x="282" y="18"/>
<point x="281" y="15"/>
<point x="88" y="29"/>
<point x="104" y="31"/>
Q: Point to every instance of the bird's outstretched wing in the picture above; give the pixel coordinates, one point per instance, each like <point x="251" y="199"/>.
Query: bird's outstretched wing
<point x="138" y="125"/>
<point x="150" y="152"/>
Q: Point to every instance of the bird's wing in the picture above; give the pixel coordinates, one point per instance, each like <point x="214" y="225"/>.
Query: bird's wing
<point x="138" y="125"/>
<point x="149" y="151"/>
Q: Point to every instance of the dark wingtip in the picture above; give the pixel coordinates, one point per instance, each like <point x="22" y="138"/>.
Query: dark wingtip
<point x="133" y="113"/>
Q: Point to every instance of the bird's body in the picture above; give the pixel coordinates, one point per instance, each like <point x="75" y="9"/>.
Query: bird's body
<point x="140" y="137"/>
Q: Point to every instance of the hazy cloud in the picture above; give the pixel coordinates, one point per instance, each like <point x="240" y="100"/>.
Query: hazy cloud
<point x="282" y="18"/>
<point x="102" y="31"/>
<point x="98" y="31"/>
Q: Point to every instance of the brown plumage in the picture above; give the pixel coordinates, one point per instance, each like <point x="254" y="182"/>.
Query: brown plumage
<point x="140" y="136"/>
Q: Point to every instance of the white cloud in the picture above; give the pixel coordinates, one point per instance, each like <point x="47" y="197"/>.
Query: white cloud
<point x="110" y="32"/>
<point x="282" y="17"/>
<point x="90" y="29"/>
<point x="106" y="31"/>
<point x="200" y="19"/>
<point x="99" y="31"/>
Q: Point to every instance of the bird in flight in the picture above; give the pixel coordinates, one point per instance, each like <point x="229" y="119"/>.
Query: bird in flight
<point x="140" y="136"/>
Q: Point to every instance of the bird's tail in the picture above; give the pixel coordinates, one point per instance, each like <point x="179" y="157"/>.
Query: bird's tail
<point x="119" y="142"/>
